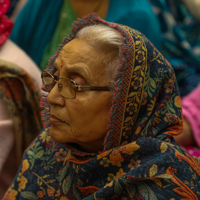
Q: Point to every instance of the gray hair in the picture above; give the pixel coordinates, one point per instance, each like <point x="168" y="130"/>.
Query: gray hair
<point x="107" y="40"/>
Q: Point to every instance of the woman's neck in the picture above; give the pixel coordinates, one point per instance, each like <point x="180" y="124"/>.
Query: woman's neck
<point x="84" y="7"/>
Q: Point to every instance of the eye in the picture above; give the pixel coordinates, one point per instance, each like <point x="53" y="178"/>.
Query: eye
<point x="79" y="80"/>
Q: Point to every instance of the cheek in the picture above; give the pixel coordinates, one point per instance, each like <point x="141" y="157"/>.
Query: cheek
<point x="86" y="111"/>
<point x="90" y="116"/>
<point x="85" y="108"/>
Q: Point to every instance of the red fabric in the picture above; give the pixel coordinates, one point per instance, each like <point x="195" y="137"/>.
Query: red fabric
<point x="5" y="23"/>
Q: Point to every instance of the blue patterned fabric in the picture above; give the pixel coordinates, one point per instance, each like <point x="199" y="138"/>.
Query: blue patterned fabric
<point x="180" y="42"/>
<point x="140" y="159"/>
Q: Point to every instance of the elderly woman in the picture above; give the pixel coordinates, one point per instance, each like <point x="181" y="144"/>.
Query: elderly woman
<point x="112" y="110"/>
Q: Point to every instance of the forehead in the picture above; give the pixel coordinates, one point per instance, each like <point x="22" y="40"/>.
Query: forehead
<point x="78" y="55"/>
<point x="77" y="50"/>
<point x="76" y="46"/>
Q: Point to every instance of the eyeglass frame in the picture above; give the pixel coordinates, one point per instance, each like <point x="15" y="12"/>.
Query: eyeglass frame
<point x="77" y="88"/>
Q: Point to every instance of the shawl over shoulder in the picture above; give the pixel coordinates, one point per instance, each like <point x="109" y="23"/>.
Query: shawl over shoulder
<point x="140" y="159"/>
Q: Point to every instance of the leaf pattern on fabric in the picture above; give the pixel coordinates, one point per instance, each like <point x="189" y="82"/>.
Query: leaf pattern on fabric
<point x="29" y="195"/>
<point x="146" y="192"/>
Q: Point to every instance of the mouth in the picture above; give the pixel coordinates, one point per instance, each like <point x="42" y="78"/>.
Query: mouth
<point x="56" y="120"/>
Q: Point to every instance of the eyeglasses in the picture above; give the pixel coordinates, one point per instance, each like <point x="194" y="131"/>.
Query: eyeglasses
<point x="68" y="87"/>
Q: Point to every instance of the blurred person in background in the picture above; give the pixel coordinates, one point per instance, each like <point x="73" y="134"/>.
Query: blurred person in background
<point x="15" y="8"/>
<point x="41" y="25"/>
<point x="180" y="24"/>
<point x="180" y="44"/>
<point x="194" y="7"/>
<point x="20" y="119"/>
<point x="190" y="137"/>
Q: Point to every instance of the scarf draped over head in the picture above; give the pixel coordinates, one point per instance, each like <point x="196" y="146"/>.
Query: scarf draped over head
<point x="140" y="159"/>
<point x="5" y="23"/>
<point x="21" y="95"/>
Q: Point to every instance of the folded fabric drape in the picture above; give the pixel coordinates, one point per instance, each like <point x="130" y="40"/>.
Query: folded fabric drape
<point x="21" y="95"/>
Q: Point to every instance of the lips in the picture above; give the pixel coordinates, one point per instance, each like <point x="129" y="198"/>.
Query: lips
<point x="55" y="120"/>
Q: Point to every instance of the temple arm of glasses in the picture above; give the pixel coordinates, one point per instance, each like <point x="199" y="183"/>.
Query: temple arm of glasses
<point x="88" y="88"/>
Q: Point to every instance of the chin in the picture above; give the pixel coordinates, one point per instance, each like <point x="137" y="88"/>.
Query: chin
<point x="58" y="136"/>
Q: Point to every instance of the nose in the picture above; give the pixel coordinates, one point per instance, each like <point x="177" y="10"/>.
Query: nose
<point x="55" y="98"/>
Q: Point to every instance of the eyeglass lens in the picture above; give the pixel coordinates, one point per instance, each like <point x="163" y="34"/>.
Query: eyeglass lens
<point x="47" y="81"/>
<point x="65" y="86"/>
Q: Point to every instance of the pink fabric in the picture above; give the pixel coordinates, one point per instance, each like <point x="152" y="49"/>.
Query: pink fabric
<point x="5" y="23"/>
<point x="191" y="111"/>
<point x="10" y="52"/>
<point x="194" y="151"/>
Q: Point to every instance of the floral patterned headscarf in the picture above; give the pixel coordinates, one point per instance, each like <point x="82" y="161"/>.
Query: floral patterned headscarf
<point x="140" y="159"/>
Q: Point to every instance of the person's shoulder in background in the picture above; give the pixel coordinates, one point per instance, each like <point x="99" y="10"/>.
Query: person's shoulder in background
<point x="193" y="6"/>
<point x="138" y="15"/>
<point x="12" y="53"/>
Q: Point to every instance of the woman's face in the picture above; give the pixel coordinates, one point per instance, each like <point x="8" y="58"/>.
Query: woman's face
<point x="82" y="120"/>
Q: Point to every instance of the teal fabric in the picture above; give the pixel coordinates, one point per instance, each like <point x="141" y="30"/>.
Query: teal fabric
<point x="35" y="26"/>
<point x="37" y="21"/>
<point x="138" y="15"/>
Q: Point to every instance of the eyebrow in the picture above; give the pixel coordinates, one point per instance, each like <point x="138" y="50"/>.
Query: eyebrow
<point x="76" y="68"/>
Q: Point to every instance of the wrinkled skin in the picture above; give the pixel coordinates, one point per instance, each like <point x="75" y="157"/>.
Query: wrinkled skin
<point x="82" y="120"/>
